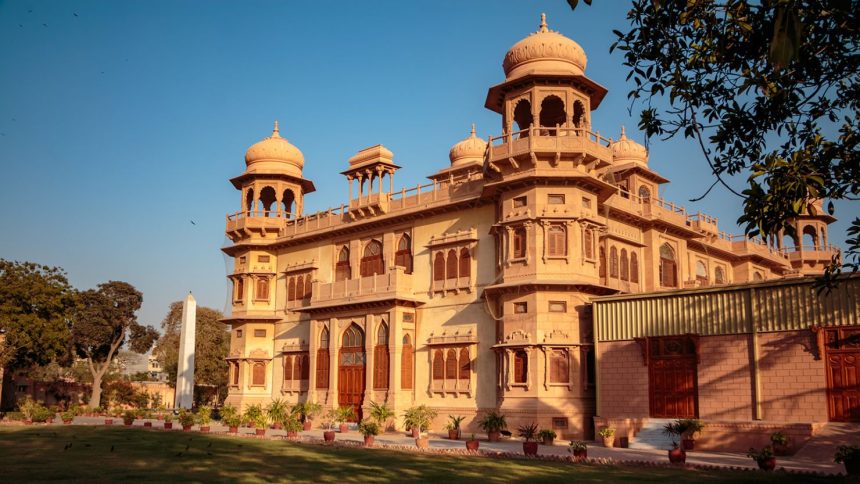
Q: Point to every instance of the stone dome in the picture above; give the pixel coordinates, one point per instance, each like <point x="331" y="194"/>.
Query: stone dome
<point x="275" y="155"/>
<point x="467" y="151"/>
<point x="544" y="52"/>
<point x="626" y="150"/>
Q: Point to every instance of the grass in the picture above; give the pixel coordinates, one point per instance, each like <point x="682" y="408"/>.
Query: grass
<point x="82" y="453"/>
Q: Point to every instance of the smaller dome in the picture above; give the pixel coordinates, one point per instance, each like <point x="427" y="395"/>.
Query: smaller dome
<point x="467" y="151"/>
<point x="544" y="52"/>
<point x="275" y="155"/>
<point x="625" y="150"/>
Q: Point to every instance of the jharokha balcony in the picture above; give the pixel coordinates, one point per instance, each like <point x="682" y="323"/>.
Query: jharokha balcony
<point x="550" y="140"/>
<point x="394" y="284"/>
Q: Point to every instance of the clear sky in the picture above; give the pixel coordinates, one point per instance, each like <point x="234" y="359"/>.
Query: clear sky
<point x="122" y="121"/>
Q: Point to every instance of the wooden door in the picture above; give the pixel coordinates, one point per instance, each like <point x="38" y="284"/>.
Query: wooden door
<point x="843" y="374"/>
<point x="351" y="371"/>
<point x="672" y="382"/>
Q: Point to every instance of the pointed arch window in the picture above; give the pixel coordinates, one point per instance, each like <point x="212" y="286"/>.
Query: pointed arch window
<point x="403" y="256"/>
<point x="625" y="266"/>
<point x="588" y="243"/>
<point x="258" y="374"/>
<point x="240" y="289"/>
<point x="438" y="365"/>
<point x="465" y="364"/>
<point x="465" y="263"/>
<point x="634" y="267"/>
<point x="288" y="367"/>
<point x="668" y="267"/>
<point x="291" y="289"/>
<point x="323" y="360"/>
<point x="602" y="263"/>
<point x="701" y="273"/>
<point x="556" y="241"/>
<point x="757" y="276"/>
<point x="235" y="367"/>
<point x="308" y="287"/>
<point x="644" y="194"/>
<point x="439" y="267"/>
<point x="451" y="265"/>
<point x="300" y="287"/>
<point x="559" y="367"/>
<point x="380" y="358"/>
<point x="262" y="289"/>
<point x="613" y="262"/>
<point x="342" y="270"/>
<point x="521" y="366"/>
<point x="519" y="242"/>
<point x="451" y="365"/>
<point x="372" y="262"/>
<point x="406" y="363"/>
<point x="719" y="275"/>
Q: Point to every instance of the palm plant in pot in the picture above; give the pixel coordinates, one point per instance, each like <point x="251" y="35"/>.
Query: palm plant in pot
<point x="382" y="414"/>
<point x="186" y="419"/>
<point x="690" y="428"/>
<point x="453" y="426"/>
<point x="578" y="450"/>
<point x="231" y="418"/>
<point x="344" y="415"/>
<point x="493" y="423"/>
<point x="677" y="455"/>
<point x="547" y="436"/>
<point x="308" y="411"/>
<point x="292" y="426"/>
<point x="277" y="411"/>
<point x="764" y="458"/>
<point x="260" y="422"/>
<point x="608" y="435"/>
<point x="412" y="421"/>
<point x="472" y="443"/>
<point x="529" y="432"/>
<point x="849" y="455"/>
<point x="369" y="429"/>
<point x="204" y="417"/>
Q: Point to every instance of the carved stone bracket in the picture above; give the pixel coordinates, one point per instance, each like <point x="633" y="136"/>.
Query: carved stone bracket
<point x="818" y="335"/>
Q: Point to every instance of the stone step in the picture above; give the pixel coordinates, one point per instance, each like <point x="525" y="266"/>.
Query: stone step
<point x="651" y="436"/>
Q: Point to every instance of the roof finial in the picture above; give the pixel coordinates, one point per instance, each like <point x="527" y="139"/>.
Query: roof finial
<point x="623" y="134"/>
<point x="543" y="27"/>
<point x="473" y="130"/>
<point x="276" y="132"/>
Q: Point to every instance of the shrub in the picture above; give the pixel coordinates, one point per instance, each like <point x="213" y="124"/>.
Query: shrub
<point x="230" y="416"/>
<point x="368" y="428"/>
<point x="277" y="410"/>
<point x="291" y="423"/>
<point x="547" y="434"/>
<point x="778" y="438"/>
<point x="381" y="413"/>
<point x="128" y="417"/>
<point x="493" y="422"/>
<point x="252" y="414"/>
<point x="343" y="414"/>
<point x="760" y="455"/>
<point x="186" y="418"/>
<point x="607" y="432"/>
<point x="577" y="446"/>
<point x="204" y="415"/>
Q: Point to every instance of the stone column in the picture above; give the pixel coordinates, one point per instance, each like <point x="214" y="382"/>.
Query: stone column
<point x="334" y="350"/>
<point x="185" y="366"/>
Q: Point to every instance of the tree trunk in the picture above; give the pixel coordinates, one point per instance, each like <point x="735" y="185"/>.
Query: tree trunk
<point x="96" y="396"/>
<point x="8" y="402"/>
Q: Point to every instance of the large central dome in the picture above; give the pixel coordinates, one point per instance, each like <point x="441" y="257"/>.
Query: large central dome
<point x="544" y="52"/>
<point x="275" y="155"/>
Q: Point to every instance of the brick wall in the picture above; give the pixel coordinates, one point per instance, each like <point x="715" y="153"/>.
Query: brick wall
<point x="793" y="382"/>
<point x="623" y="380"/>
<point x="725" y="378"/>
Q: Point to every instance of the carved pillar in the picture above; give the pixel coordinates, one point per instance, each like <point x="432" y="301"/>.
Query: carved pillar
<point x="334" y="358"/>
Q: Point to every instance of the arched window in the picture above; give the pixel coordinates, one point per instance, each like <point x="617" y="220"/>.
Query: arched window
<point x="249" y="201"/>
<point x="240" y="289"/>
<point x="644" y="194"/>
<point x="380" y="358"/>
<point x="439" y="267"/>
<point x="353" y="337"/>
<point x="465" y="263"/>
<point x="438" y="365"/>
<point x="588" y="243"/>
<point x="372" y="263"/>
<point x="291" y="289"/>
<point x="288" y="367"/>
<point x="701" y="272"/>
<point x="465" y="364"/>
<point x="552" y="113"/>
<point x="451" y="365"/>
<point x="521" y="366"/>
<point x="719" y="275"/>
<point x="268" y="199"/>
<point x="235" y="367"/>
<point x="451" y="265"/>
<point x="262" y="290"/>
<point x="757" y="276"/>
<point x="634" y="267"/>
<point x="559" y="368"/>
<point x="406" y="363"/>
<point x="403" y="256"/>
<point x="305" y="366"/>
<point x="288" y="201"/>
<point x="519" y="243"/>
<point x="258" y="374"/>
<point x="300" y="287"/>
<point x="556" y="241"/>
<point x="810" y="238"/>
<point x="578" y="115"/>
<point x="308" y="287"/>
<point x="625" y="268"/>
<point x="523" y="117"/>
<point x="323" y="359"/>
<point x="342" y="271"/>
<point x="668" y="267"/>
<point x="602" y="263"/>
<point x="613" y="262"/>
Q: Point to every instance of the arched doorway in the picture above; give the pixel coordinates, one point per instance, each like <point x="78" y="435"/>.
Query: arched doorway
<point x="350" y="380"/>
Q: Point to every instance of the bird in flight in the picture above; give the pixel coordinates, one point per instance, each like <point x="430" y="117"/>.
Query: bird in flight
<point x="192" y="222"/>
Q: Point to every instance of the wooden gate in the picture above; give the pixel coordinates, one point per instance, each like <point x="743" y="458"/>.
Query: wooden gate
<point x="843" y="374"/>
<point x="672" y="382"/>
<point x="351" y="371"/>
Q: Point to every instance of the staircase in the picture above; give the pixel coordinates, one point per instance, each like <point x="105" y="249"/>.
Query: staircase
<point x="651" y="436"/>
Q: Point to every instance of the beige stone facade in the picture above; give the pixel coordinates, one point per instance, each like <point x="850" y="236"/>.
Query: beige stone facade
<point x="470" y="293"/>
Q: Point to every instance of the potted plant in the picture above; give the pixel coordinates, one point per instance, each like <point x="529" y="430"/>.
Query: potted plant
<point x="578" y="450"/>
<point x="342" y="416"/>
<point x="418" y="420"/>
<point x="493" y="423"/>
<point x="204" y="416"/>
<point x="608" y="434"/>
<point x="231" y="418"/>
<point x="382" y="414"/>
<point x="690" y="428"/>
<point x="68" y="416"/>
<point x="779" y="442"/>
<point x="369" y="429"/>
<point x="308" y="410"/>
<point x="764" y="458"/>
<point x="472" y="443"/>
<point x="547" y="436"/>
<point x="277" y="411"/>
<point x="412" y="421"/>
<point x="292" y="426"/>
<point x="675" y="429"/>
<point x="128" y="418"/>
<point x="252" y="415"/>
<point x="186" y="419"/>
<point x="454" y="426"/>
<point x="328" y="423"/>
<point x="260" y="422"/>
<point x="27" y="407"/>
<point x="849" y="455"/>
<point x="168" y="420"/>
<point x="529" y="432"/>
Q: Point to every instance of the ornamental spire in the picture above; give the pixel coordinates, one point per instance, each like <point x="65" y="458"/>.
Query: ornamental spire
<point x="276" y="133"/>
<point x="543" y="27"/>
<point x="473" y="130"/>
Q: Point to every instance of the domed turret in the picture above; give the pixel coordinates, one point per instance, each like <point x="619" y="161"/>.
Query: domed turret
<point x="544" y="52"/>
<point x="468" y="151"/>
<point x="626" y="150"/>
<point x="274" y="155"/>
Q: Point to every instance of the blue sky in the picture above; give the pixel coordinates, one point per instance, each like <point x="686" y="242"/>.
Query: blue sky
<point x="120" y="122"/>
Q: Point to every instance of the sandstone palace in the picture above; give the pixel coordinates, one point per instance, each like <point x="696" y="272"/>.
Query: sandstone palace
<point x="477" y="290"/>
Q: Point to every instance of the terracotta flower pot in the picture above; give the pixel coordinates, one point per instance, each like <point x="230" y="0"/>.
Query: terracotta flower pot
<point x="422" y="442"/>
<point x="147" y="424"/>
<point x="767" y="464"/>
<point x="677" y="456"/>
<point x="233" y="430"/>
<point x="168" y="425"/>
<point x="453" y="434"/>
<point x="108" y="421"/>
<point x="186" y="428"/>
<point x="548" y="441"/>
<point x="609" y="441"/>
<point x="416" y="433"/>
<point x="277" y="426"/>
<point x="204" y="428"/>
<point x="580" y="455"/>
<point x="494" y="436"/>
<point x="689" y="444"/>
<point x="368" y="441"/>
<point x="260" y="432"/>
<point x="472" y="445"/>
<point x="308" y="425"/>
<point x="781" y="449"/>
<point x="128" y="423"/>
<point x="328" y="435"/>
<point x="530" y="448"/>
<point x="344" y="428"/>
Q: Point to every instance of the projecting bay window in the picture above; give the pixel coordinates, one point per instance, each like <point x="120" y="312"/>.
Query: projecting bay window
<point x="296" y="372"/>
<point x="451" y="368"/>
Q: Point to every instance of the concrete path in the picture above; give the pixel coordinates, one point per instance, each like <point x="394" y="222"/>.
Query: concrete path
<point x="809" y="462"/>
<point x="822" y="447"/>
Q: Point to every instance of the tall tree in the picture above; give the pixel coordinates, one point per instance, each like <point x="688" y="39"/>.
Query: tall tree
<point x="212" y="343"/>
<point x="35" y="306"/>
<point x="104" y="321"/>
<point x="769" y="89"/>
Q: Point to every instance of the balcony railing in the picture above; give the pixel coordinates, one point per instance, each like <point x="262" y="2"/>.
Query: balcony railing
<point x="394" y="283"/>
<point x="544" y="139"/>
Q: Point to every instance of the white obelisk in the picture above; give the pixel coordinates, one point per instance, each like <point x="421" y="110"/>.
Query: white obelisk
<point x="185" y="366"/>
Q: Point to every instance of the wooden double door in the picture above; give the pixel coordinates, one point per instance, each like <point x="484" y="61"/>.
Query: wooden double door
<point x="842" y="354"/>
<point x="351" y="371"/>
<point x="672" y="380"/>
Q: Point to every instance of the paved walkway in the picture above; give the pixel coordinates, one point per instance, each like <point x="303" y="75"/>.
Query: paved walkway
<point x="595" y="450"/>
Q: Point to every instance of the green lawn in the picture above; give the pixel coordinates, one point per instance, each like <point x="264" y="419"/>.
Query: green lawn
<point x="41" y="453"/>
